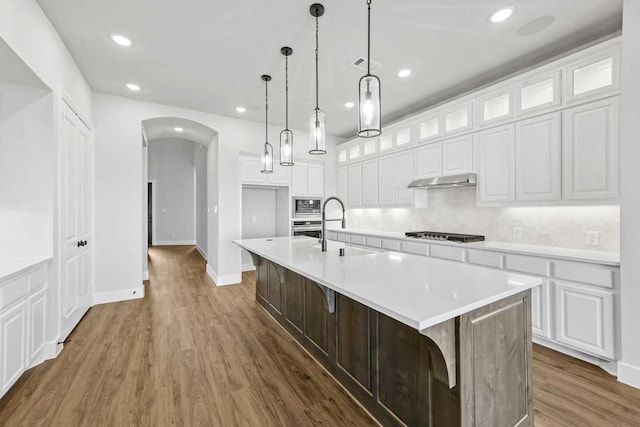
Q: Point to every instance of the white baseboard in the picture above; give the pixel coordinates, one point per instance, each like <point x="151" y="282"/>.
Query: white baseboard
<point x="629" y="374"/>
<point x="202" y="252"/>
<point x="174" y="243"/>
<point x="52" y="349"/>
<point x="115" y="296"/>
<point x="248" y="267"/>
<point x="230" y="279"/>
<point x="145" y="275"/>
<point x="609" y="366"/>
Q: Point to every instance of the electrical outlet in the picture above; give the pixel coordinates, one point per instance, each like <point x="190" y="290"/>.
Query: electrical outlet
<point x="593" y="238"/>
<point x="254" y="219"/>
<point x="517" y="233"/>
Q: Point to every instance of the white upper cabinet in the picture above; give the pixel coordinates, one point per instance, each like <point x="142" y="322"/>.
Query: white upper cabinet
<point x="538" y="156"/>
<point x="342" y="154"/>
<point x="370" y="182"/>
<point x="385" y="142"/>
<point x="428" y="128"/>
<point x="355" y="185"/>
<point x="428" y="161"/>
<point x="281" y="174"/>
<point x="315" y="179"/>
<point x="538" y="93"/>
<point x="299" y="184"/>
<point x="403" y="177"/>
<point x="496" y="106"/>
<point x="593" y="75"/>
<point x="251" y="166"/>
<point x="496" y="164"/>
<point x="458" y="118"/>
<point x="355" y="151"/>
<point x="457" y="155"/>
<point x="369" y="147"/>
<point x="590" y="151"/>
<point x="403" y="136"/>
<point x="386" y="180"/>
<point x="343" y="184"/>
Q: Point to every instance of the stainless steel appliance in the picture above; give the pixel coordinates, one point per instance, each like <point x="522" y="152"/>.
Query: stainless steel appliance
<point x="307" y="228"/>
<point x="305" y="207"/>
<point x="343" y="220"/>
<point x="450" y="237"/>
<point x="464" y="180"/>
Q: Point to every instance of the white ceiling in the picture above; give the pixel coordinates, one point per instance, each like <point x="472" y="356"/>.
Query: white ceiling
<point x="164" y="127"/>
<point x="208" y="55"/>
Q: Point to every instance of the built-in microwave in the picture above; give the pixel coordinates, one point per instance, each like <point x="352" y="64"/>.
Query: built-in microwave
<point x="305" y="207"/>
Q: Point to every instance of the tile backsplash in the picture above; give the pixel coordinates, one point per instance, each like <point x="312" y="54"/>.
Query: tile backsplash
<point x="454" y="210"/>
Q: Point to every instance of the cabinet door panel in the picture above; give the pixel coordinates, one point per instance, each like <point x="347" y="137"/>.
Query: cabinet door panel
<point x="584" y="319"/>
<point x="538" y="153"/>
<point x="496" y="164"/>
<point x="404" y="176"/>
<point x="294" y="301"/>
<point x="299" y="179"/>
<point x="540" y="310"/>
<point x="355" y="184"/>
<point x="590" y="151"/>
<point x="428" y="161"/>
<point x="353" y="343"/>
<point x="281" y="175"/>
<point x="315" y="180"/>
<point x="370" y="183"/>
<point x="386" y="179"/>
<point x="13" y="341"/>
<point x="250" y="170"/>
<point x="36" y="307"/>
<point x="274" y="287"/>
<point x="343" y="183"/>
<point x="457" y="156"/>
<point x="315" y="315"/>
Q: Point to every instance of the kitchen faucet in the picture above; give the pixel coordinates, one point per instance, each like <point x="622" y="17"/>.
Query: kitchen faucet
<point x="323" y="239"/>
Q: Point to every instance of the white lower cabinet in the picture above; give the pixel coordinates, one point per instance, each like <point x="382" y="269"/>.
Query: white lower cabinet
<point x="584" y="318"/>
<point x="541" y="310"/>
<point x="36" y="309"/>
<point x="13" y="338"/>
<point x="496" y="164"/>
<point x="370" y="182"/>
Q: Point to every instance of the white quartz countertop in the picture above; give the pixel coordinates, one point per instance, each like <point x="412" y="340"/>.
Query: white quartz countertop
<point x="418" y="291"/>
<point x="13" y="266"/>
<point x="581" y="255"/>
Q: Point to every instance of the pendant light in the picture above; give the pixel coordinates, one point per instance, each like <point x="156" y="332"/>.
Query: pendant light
<point x="286" y="136"/>
<point x="267" y="155"/>
<point x="316" y="120"/>
<point x="369" y="94"/>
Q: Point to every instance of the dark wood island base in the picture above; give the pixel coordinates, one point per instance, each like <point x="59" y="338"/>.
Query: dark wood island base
<point x="474" y="370"/>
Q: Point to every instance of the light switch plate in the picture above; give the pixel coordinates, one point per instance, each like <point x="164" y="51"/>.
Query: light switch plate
<point x="593" y="238"/>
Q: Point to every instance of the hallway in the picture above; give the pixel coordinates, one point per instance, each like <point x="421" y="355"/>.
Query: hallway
<point x="190" y="353"/>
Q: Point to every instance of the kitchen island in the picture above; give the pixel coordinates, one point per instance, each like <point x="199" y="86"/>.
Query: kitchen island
<point x="417" y="341"/>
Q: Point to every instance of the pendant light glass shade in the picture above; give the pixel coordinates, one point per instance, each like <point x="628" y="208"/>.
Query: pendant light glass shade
<point x="267" y="152"/>
<point x="369" y="105"/>
<point x="286" y="136"/>
<point x="317" y="132"/>
<point x="316" y="119"/>
<point x="369" y="102"/>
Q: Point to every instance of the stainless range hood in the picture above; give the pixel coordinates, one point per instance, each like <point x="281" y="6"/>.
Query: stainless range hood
<point x="464" y="180"/>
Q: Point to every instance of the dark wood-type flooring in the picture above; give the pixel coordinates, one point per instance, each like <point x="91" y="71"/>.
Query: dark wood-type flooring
<point x="192" y="354"/>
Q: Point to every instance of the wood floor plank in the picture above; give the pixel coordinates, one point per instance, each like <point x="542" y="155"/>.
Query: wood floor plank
<point x="193" y="354"/>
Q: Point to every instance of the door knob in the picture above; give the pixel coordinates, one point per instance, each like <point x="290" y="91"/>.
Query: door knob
<point x="79" y="243"/>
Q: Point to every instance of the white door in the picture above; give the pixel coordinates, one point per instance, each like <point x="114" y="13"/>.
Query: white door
<point x="496" y="164"/>
<point x="386" y="180"/>
<point x="428" y="161"/>
<point x="590" y="151"/>
<point x="77" y="202"/>
<point x="355" y="184"/>
<point x="538" y="154"/>
<point x="404" y="176"/>
<point x="343" y="184"/>
<point x="13" y="344"/>
<point x="315" y="180"/>
<point x="457" y="156"/>
<point x="370" y="182"/>
<point x="299" y="182"/>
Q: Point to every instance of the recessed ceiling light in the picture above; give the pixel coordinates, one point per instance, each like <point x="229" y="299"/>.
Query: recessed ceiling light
<point x="349" y="104"/>
<point x="121" y="40"/>
<point x="502" y="14"/>
<point x="404" y="73"/>
<point x="241" y="109"/>
<point x="134" y="87"/>
<point x="178" y="129"/>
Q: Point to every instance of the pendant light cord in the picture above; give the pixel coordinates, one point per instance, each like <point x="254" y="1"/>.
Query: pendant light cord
<point x="317" y="48"/>
<point x="368" y="37"/>
<point x="266" y="111"/>
<point x="286" y="89"/>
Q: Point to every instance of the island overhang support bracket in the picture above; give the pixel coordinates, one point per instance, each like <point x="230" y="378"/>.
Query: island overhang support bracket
<point x="330" y="296"/>
<point x="443" y="336"/>
<point x="256" y="259"/>
<point x="282" y="272"/>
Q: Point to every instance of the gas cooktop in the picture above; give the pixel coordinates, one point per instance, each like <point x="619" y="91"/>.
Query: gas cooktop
<point x="451" y="237"/>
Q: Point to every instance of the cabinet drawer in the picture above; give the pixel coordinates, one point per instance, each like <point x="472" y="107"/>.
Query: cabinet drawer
<point x="448" y="252"/>
<point x="530" y="265"/>
<point x="38" y="278"/>
<point x="391" y="245"/>
<point x="13" y="291"/>
<point x="343" y="237"/>
<point x="374" y="242"/>
<point x="417" y="248"/>
<point x="358" y="240"/>
<point x="584" y="273"/>
<point x="486" y="258"/>
<point x="332" y="235"/>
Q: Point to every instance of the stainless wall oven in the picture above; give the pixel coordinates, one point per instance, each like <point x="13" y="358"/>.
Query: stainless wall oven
<point x="307" y="228"/>
<point x="306" y="207"/>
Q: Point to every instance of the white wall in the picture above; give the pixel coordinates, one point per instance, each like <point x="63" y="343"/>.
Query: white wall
<point x="172" y="169"/>
<point x="454" y="210"/>
<point x="27" y="166"/>
<point x="259" y="216"/>
<point x="200" y="158"/>
<point x="629" y="366"/>
<point x="119" y="199"/>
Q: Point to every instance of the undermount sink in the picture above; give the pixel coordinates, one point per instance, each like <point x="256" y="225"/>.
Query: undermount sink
<point x="348" y="251"/>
